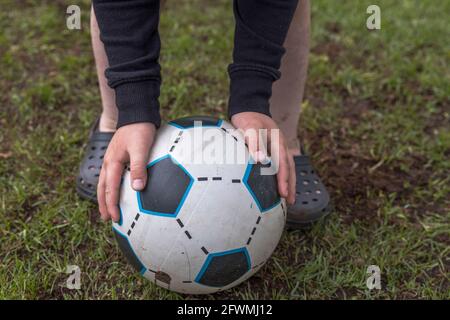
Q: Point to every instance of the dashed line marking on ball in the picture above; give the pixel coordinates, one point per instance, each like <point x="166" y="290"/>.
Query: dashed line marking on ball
<point x="188" y="234"/>
<point x="180" y="223"/>
<point x="213" y="179"/>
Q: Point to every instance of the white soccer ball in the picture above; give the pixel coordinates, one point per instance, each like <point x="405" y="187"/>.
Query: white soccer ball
<point x="204" y="222"/>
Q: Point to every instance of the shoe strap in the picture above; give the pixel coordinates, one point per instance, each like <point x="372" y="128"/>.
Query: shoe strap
<point x="302" y="160"/>
<point x="96" y="135"/>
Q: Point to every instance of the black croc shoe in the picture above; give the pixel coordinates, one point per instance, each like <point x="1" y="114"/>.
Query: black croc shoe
<point x="312" y="200"/>
<point x="91" y="165"/>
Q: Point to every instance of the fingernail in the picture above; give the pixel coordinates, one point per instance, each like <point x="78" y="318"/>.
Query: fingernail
<point x="261" y="157"/>
<point x="138" y="184"/>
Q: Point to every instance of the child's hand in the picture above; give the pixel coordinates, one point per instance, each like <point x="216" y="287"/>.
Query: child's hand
<point x="286" y="170"/>
<point x="130" y="144"/>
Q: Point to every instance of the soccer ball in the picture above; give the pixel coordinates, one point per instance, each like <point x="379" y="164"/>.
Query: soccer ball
<point x="205" y="221"/>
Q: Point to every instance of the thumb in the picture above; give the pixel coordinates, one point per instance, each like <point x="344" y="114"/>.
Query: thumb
<point x="138" y="168"/>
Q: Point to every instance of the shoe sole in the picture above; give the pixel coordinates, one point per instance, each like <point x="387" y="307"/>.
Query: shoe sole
<point x="295" y="225"/>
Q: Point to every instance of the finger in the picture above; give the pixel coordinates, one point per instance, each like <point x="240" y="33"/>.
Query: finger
<point x="101" y="199"/>
<point x="251" y="139"/>
<point x="263" y="141"/>
<point x="292" y="180"/>
<point x="283" y="172"/>
<point x="113" y="178"/>
<point x="255" y="145"/>
<point x="138" y="168"/>
<point x="279" y="156"/>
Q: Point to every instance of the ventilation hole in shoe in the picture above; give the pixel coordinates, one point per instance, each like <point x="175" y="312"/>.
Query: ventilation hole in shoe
<point x="305" y="182"/>
<point x="102" y="156"/>
<point x="316" y="181"/>
<point x="91" y="168"/>
<point x="312" y="171"/>
<point x="89" y="186"/>
<point x="104" y="147"/>
<point x="93" y="148"/>
<point x="303" y="173"/>
<point x="305" y="202"/>
<point x="315" y="200"/>
<point x="318" y="191"/>
<point x="96" y="175"/>
<point x="308" y="192"/>
<point x="298" y="193"/>
<point x="81" y="181"/>
<point x="91" y="157"/>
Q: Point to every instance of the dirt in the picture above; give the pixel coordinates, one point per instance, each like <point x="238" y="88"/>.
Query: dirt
<point x="350" y="173"/>
<point x="331" y="49"/>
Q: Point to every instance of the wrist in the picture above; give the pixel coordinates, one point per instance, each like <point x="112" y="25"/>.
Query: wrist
<point x="250" y="91"/>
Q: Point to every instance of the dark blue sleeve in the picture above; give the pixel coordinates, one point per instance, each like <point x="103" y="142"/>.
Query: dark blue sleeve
<point x="261" y="28"/>
<point x="129" y="31"/>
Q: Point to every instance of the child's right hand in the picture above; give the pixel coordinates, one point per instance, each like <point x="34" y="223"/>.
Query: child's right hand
<point x="130" y="144"/>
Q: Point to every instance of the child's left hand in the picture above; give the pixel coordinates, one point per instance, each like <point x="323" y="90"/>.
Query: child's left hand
<point x="286" y="168"/>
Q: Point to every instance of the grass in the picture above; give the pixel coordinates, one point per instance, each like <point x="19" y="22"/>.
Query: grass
<point x="375" y="120"/>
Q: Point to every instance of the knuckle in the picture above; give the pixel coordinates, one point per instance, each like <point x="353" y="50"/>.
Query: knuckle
<point x="137" y="167"/>
<point x="106" y="162"/>
<point x="114" y="163"/>
<point x="109" y="160"/>
<point x="110" y="202"/>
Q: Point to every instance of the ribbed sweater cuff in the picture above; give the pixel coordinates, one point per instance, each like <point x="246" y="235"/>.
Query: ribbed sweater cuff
<point x="250" y="89"/>
<point x="138" y="102"/>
